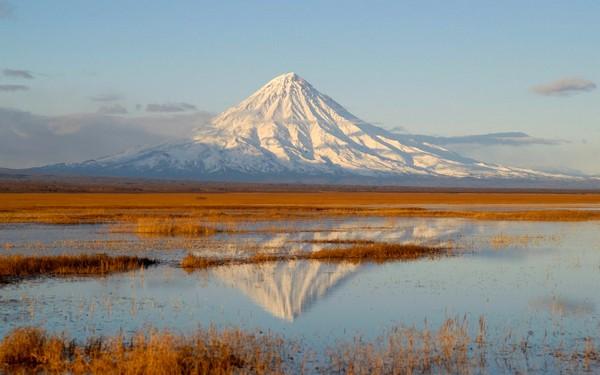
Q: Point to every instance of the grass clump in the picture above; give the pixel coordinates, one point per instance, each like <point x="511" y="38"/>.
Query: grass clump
<point x="232" y="351"/>
<point x="19" y="266"/>
<point x="376" y="252"/>
<point x="502" y="240"/>
<point x="172" y="227"/>
<point x="191" y="262"/>
<point x="408" y="351"/>
<point x="339" y="242"/>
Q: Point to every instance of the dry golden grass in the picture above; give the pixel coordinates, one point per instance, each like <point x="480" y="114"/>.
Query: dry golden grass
<point x="32" y="350"/>
<point x="409" y="351"/>
<point x="525" y="215"/>
<point x="19" y="266"/>
<point x="376" y="252"/>
<point x="172" y="227"/>
<point x="584" y="359"/>
<point x="236" y="207"/>
<point x="449" y="349"/>
<point x="503" y="240"/>
<point x="244" y="214"/>
<point x="340" y="242"/>
<point x="311" y="199"/>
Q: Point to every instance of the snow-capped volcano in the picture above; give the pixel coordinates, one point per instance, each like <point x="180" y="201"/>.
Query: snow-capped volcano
<point x="288" y="128"/>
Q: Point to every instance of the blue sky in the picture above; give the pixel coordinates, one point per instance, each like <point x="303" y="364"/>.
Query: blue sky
<point x="434" y="67"/>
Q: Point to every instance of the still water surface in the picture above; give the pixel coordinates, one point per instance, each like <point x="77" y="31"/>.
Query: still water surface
<point x="543" y="282"/>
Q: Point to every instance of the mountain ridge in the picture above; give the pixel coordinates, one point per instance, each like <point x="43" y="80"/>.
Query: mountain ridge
<point x="288" y="130"/>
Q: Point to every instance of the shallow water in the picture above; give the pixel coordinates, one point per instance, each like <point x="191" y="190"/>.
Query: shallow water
<point x="542" y="283"/>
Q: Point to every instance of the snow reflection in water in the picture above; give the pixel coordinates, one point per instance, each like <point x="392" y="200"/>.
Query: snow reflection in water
<point x="547" y="287"/>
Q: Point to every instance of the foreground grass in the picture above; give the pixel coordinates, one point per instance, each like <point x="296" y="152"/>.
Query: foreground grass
<point x="450" y="349"/>
<point x="32" y="350"/>
<point x="17" y="266"/>
<point x="369" y="252"/>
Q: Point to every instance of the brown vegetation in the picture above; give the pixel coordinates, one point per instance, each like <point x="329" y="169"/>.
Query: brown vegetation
<point x="339" y="242"/>
<point x="235" y="207"/>
<point x="376" y="252"/>
<point x="450" y="349"/>
<point x="19" y="266"/>
<point x="172" y="227"/>
<point x="409" y="351"/>
<point x="32" y="350"/>
<point x="245" y="214"/>
<point x="502" y="240"/>
<point x="311" y="199"/>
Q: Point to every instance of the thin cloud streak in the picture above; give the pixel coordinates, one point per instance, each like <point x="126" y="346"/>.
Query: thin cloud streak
<point x="565" y="87"/>
<point x="13" y="88"/>
<point x="170" y="107"/>
<point x="491" y="139"/>
<point x="115" y="109"/>
<point x="18" y="73"/>
<point x="106" y="98"/>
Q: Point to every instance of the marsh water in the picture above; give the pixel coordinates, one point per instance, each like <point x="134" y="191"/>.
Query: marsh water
<point x="538" y="281"/>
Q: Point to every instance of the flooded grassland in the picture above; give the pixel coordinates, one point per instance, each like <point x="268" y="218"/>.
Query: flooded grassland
<point x="412" y="286"/>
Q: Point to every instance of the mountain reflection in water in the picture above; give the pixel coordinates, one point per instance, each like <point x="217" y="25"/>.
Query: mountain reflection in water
<point x="287" y="289"/>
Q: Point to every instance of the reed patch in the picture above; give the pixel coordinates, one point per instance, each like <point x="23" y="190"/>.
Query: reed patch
<point x="375" y="252"/>
<point x="14" y="267"/>
<point x="157" y="226"/>
<point x="451" y="348"/>
<point x="231" y="351"/>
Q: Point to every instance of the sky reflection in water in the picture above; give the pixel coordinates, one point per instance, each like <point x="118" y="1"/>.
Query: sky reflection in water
<point x="548" y="286"/>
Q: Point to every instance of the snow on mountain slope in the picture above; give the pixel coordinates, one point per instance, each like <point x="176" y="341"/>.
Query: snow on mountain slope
<point x="289" y="128"/>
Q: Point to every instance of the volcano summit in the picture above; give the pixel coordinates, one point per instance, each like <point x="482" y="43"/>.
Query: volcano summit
<point x="289" y="131"/>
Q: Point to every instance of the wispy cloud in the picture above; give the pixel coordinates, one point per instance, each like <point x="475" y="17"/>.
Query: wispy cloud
<point x="565" y="87"/>
<point x="491" y="139"/>
<point x="18" y="73"/>
<point x="114" y="109"/>
<point x="106" y="98"/>
<point x="170" y="107"/>
<point x="13" y="88"/>
<point x="27" y="139"/>
<point x="507" y="138"/>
